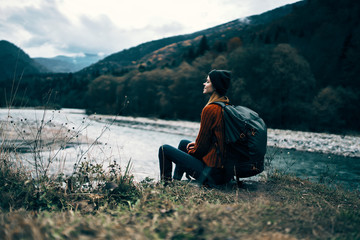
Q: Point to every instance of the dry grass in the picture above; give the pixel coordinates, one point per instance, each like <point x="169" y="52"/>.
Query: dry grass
<point x="277" y="207"/>
<point x="282" y="207"/>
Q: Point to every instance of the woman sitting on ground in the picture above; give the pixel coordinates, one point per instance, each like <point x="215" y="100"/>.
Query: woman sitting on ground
<point x="202" y="159"/>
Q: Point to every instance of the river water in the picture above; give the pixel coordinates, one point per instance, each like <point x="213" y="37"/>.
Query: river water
<point x="328" y="158"/>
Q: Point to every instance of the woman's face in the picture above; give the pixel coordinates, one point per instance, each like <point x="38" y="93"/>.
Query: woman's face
<point x="208" y="87"/>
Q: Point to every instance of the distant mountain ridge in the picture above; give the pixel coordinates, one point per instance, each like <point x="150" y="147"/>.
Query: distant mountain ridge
<point x="65" y="64"/>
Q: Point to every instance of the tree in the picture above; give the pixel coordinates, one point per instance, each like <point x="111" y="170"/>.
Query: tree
<point x="337" y="109"/>
<point x="273" y="82"/>
<point x="102" y="94"/>
<point x="291" y="85"/>
<point x="148" y="93"/>
<point x="219" y="46"/>
<point x="203" y="46"/>
<point x="220" y="62"/>
<point x="186" y="91"/>
<point x="189" y="54"/>
<point x="234" y="43"/>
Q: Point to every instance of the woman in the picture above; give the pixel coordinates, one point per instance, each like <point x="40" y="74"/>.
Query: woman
<point x="202" y="159"/>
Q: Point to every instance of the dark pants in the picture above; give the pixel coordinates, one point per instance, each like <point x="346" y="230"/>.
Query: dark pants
<point x="185" y="163"/>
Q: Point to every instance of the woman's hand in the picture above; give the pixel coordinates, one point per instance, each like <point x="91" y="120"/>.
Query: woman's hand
<point x="190" y="146"/>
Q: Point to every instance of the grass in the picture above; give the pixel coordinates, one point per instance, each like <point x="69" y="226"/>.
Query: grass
<point x="98" y="203"/>
<point x="279" y="207"/>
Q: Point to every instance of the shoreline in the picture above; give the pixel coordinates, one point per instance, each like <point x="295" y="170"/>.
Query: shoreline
<point x="326" y="143"/>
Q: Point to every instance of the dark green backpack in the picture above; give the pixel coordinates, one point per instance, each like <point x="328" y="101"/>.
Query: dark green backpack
<point x="245" y="141"/>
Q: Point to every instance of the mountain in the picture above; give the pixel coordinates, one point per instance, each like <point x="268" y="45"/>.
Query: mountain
<point x="164" y="52"/>
<point x="151" y="54"/>
<point x="325" y="32"/>
<point x="65" y="64"/>
<point x="14" y="62"/>
<point x="297" y="66"/>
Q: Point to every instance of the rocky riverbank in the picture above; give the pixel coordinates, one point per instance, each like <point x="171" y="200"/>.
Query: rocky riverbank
<point x="26" y="136"/>
<point x="23" y="133"/>
<point x="344" y="145"/>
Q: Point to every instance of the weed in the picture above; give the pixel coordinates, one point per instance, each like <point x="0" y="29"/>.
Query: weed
<point x="15" y="186"/>
<point x="328" y="174"/>
<point x="19" y="190"/>
<point x="43" y="138"/>
<point x="281" y="207"/>
<point x="40" y="189"/>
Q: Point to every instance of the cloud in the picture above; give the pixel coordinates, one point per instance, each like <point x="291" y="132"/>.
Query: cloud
<point x="43" y="30"/>
<point x="51" y="27"/>
<point x="33" y="26"/>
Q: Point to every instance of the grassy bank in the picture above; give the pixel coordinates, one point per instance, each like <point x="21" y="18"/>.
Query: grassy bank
<point x="279" y="207"/>
<point x="98" y="203"/>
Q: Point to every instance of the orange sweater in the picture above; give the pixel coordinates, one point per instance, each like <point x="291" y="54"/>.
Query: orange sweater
<point x="205" y="146"/>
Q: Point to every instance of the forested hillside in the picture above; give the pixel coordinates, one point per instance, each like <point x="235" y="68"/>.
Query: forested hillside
<point x="297" y="66"/>
<point x="14" y="62"/>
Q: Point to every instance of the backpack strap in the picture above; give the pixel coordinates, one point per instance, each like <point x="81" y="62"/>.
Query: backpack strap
<point x="214" y="139"/>
<point x="222" y="104"/>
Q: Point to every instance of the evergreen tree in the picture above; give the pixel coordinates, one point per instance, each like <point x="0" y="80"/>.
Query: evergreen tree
<point x="203" y="46"/>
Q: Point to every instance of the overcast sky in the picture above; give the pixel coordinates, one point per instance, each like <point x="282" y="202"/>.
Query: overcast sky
<point x="46" y="28"/>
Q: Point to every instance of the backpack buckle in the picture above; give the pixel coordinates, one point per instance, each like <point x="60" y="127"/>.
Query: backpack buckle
<point x="253" y="132"/>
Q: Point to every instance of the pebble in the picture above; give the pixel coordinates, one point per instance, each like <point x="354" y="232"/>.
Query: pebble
<point x="344" y="145"/>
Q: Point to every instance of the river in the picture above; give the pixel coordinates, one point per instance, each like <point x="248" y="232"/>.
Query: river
<point x="329" y="158"/>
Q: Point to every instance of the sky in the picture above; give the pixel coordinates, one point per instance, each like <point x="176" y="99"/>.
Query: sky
<point x="47" y="28"/>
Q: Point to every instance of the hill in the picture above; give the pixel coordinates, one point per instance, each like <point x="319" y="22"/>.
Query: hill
<point x="297" y="66"/>
<point x="162" y="52"/>
<point x="14" y="62"/>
